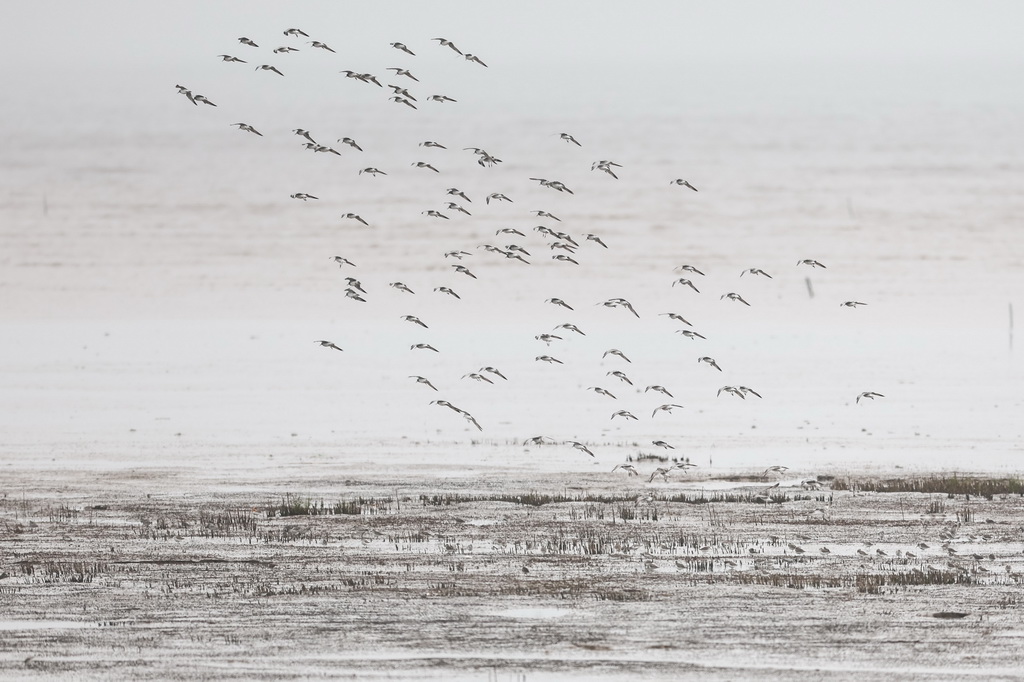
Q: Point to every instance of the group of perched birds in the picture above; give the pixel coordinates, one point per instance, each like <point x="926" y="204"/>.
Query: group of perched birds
<point x="565" y="249"/>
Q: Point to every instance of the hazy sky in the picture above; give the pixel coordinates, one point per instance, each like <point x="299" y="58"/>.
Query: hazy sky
<point x="115" y="54"/>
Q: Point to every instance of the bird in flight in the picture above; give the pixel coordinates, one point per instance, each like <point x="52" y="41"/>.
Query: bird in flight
<point x="285" y="50"/>
<point x="403" y="72"/>
<point x="494" y="371"/>
<point x="446" y="290"/>
<point x="229" y="58"/>
<point x="558" y="301"/>
<point x="662" y="444"/>
<point x="777" y="469"/>
<point x="811" y="262"/>
<point x="847" y="304"/>
<point x="659" y="389"/>
<point x="403" y="48"/>
<point x="690" y="335"/>
<point x="303" y="196"/>
<point x="621" y="376"/>
<point x="268" y="67"/>
<point x="414" y="320"/>
<point x="570" y="139"/>
<point x="296" y="32"/>
<point x="435" y="214"/>
<point x="628" y="468"/>
<point x="748" y="391"/>
<point x="686" y="283"/>
<point x="401" y="287"/>
<point x="710" y="361"/>
<point x="594" y="238"/>
<point x="545" y="214"/>
<point x="350" y="142"/>
<point x="683" y="183"/>
<point x="548" y="359"/>
<point x="497" y="196"/>
<point x="732" y="296"/>
<point x="625" y="414"/>
<point x="444" y="42"/>
<point x="756" y="271"/>
<point x="600" y="391"/>
<point x="869" y="395"/>
<point x="246" y="41"/>
<point x="606" y="166"/>
<point x="463" y="270"/>
<point x="247" y="128"/>
<point x="477" y="377"/>
<point x="423" y="380"/>
<point x="430" y="143"/>
<point x="353" y="216"/>
<point x="441" y="98"/>
<point x="328" y="344"/>
<point x="341" y="261"/>
<point x="581" y="447"/>
<point x="616" y="352"/>
<point x="733" y="390"/>
<point x="424" y="164"/>
<point x="667" y="407"/>
<point x="423" y="346"/>
<point x="402" y="100"/>
<point x="473" y="58"/>
<point x="677" y="317"/>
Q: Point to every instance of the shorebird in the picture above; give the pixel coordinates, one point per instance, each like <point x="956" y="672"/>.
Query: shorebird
<point x="182" y="90"/>
<point x="509" y="230"/>
<point x="473" y="58"/>
<point x="325" y="149"/>
<point x="732" y="296"/>
<point x="847" y="304"/>
<point x="303" y="196"/>
<point x="564" y="247"/>
<point x="342" y="261"/>
<point x="581" y="447"/>
<point x="353" y="216"/>
<point x="445" y="403"/>
<point x="462" y="269"/>
<point x="625" y="414"/>
<point x="446" y="290"/>
<point x="616" y="352"/>
<point x="423" y="346"/>
<point x="398" y="90"/>
<point x="477" y="377"/>
<point x="664" y="408"/>
<point x="628" y="468"/>
<point x="600" y="391"/>
<point x="605" y="166"/>
<point x="423" y="380"/>
<point x="403" y="72"/>
<point x="441" y="98"/>
<point x="328" y="344"/>
<point x="452" y="206"/>
<point x="296" y="32"/>
<point x="756" y="271"/>
<point x="547" y="338"/>
<point x="660" y="471"/>
<point x="414" y="320"/>
<point x="444" y="42"/>
<point x="494" y="371"/>
<point x="745" y="391"/>
<point x="869" y="395"/>
<point x="810" y="261"/>
<point x="558" y="301"/>
<point x="435" y="214"/>
<point x="372" y="171"/>
<point x="403" y="48"/>
<point x="568" y="326"/>
<point x="619" y="303"/>
<point x="677" y="317"/>
<point x="690" y="335"/>
<point x="733" y="390"/>
<point x="468" y="417"/>
<point x="662" y="444"/>
<point x="354" y="295"/>
<point x="402" y="100"/>
<point x="565" y="259"/>
<point x="595" y="238"/>
<point x="545" y="214"/>
<point x="689" y="268"/>
<point x="548" y="359"/>
<point x="683" y="183"/>
<point x="268" y="67"/>
<point x="424" y="164"/>
<point x="621" y="376"/>
<point x="401" y="287"/>
<point x="229" y="58"/>
<point x="247" y="128"/>
<point x="686" y="283"/>
<point x="710" y="361"/>
<point x="553" y="184"/>
<point x="456" y="192"/>
<point x="203" y="99"/>
<point x="246" y="41"/>
<point x="569" y="138"/>
<point x="285" y="50"/>
<point x="457" y="254"/>
<point x="497" y="196"/>
<point x="350" y="142"/>
<point x="539" y="440"/>
<point x="778" y="469"/>
<point x="304" y="133"/>
<point x="355" y="284"/>
<point x="659" y="389"/>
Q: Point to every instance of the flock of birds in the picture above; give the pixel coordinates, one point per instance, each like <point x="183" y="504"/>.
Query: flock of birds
<point x="565" y="248"/>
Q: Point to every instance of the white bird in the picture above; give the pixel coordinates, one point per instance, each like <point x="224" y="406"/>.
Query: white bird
<point x="732" y="296"/>
<point x="477" y="377"/>
<point x="628" y="468"/>
<point x="353" y="216"/>
<point x="497" y="196"/>
<point x="303" y="196"/>
<point x="296" y="32"/>
<point x="616" y="352"/>
<point x="350" y="142"/>
<point x="401" y="287"/>
<point x="733" y="390"/>
<point x="443" y="42"/>
<point x="495" y="371"/>
<point x="246" y="41"/>
<point x="625" y="414"/>
<point x="677" y="317"/>
<point x="871" y="395"/>
<point x="446" y="290"/>
<point x="621" y="376"/>
<point x="600" y="391"/>
<point x="659" y="389"/>
<point x="847" y="304"/>
<point x="664" y="408"/>
<point x="811" y="262"/>
<point x="473" y="58"/>
<point x="683" y="183"/>
<point x="328" y="344"/>
<point x="229" y="58"/>
<point x="424" y="164"/>
<point x="423" y="380"/>
<point x="548" y="359"/>
<point x="558" y="301"/>
<point x="423" y="346"/>
<point x="247" y="128"/>
<point x="403" y="72"/>
<point x="686" y="283"/>
<point x="690" y="334"/>
<point x="581" y="447"/>
<point x="414" y="320"/>
<point x="403" y="48"/>
<point x="545" y="214"/>
<point x="569" y="138"/>
<point x="756" y="271"/>
<point x="268" y="67"/>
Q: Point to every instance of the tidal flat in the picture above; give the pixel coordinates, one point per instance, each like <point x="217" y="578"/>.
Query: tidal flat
<point x="533" y="578"/>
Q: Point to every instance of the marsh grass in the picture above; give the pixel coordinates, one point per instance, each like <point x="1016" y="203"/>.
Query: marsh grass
<point x="948" y="485"/>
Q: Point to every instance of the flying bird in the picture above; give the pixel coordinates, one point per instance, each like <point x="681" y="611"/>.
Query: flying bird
<point x="545" y="214"/>
<point x="423" y="346"/>
<point x="677" y="317"/>
<point x="847" y="304"/>
<point x="403" y="48"/>
<point x="353" y="216"/>
<point x="401" y="287"/>
<point x="403" y="72"/>
<point x="548" y="359"/>
<point x="247" y="128"/>
<point x="616" y="352"/>
<point x="686" y="283"/>
<point x="756" y="271"/>
<point x="229" y="58"/>
<point x="268" y="67"/>
<point x="870" y="395"/>
<point x="424" y="164"/>
<point x="683" y="183"/>
<point x="414" y="320"/>
<point x="628" y="468"/>
<point x="494" y="371"/>
<point x="732" y="296"/>
<point x="659" y="389"/>
<point x="446" y="290"/>
<point x="625" y="414"/>
<point x="710" y="361"/>
<point x="423" y="380"/>
<point x="443" y="42"/>
<point x="621" y="376"/>
<point x="473" y="58"/>
<point x="811" y="262"/>
<point x="296" y="32"/>
<point x="581" y="447"/>
<point x="668" y="407"/>
<point x="303" y="196"/>
<point x="570" y="139"/>
<point x="246" y="41"/>
<point x="350" y="142"/>
<point x="600" y="391"/>
<point x="328" y="344"/>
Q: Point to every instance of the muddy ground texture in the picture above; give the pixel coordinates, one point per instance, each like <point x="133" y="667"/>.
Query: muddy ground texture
<point x="508" y="579"/>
